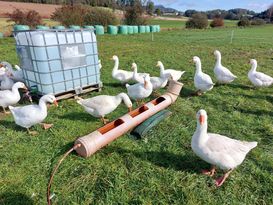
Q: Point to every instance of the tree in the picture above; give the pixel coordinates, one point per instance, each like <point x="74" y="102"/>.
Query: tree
<point x="244" y="22"/>
<point x="150" y="7"/>
<point x="134" y="14"/>
<point x="189" y="13"/>
<point x="158" y="12"/>
<point x="198" y="20"/>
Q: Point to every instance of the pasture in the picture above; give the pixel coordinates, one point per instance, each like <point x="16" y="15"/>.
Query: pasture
<point x="162" y="168"/>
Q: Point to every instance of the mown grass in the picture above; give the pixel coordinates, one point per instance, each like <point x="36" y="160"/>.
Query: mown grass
<point x="160" y="169"/>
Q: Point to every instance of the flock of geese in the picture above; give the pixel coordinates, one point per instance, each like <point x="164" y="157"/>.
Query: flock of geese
<point x="218" y="150"/>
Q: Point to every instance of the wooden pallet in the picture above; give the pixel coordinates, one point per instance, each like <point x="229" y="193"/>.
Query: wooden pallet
<point x="73" y="93"/>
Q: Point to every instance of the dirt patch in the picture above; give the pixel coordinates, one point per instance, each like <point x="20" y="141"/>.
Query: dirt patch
<point x="45" y="10"/>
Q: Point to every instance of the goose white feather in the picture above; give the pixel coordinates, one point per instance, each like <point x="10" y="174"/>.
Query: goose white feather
<point x="102" y="105"/>
<point x="140" y="91"/>
<point x="222" y="74"/>
<point x="11" y="97"/>
<point x="120" y="75"/>
<point x="176" y="74"/>
<point x="202" y="81"/>
<point x="218" y="150"/>
<point x="29" y="115"/>
<point x="157" y="82"/>
<point x="258" y="79"/>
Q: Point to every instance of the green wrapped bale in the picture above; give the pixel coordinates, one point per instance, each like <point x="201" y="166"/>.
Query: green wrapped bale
<point x="42" y="27"/>
<point x="20" y="27"/>
<point x="141" y="29"/>
<point x="147" y="29"/>
<point x="153" y="28"/>
<point x="135" y="29"/>
<point x="123" y="29"/>
<point x="59" y="27"/>
<point x="130" y="30"/>
<point x="141" y="130"/>
<point x="74" y="27"/>
<point x="158" y="28"/>
<point x="1" y="35"/>
<point x="113" y="30"/>
<point x="99" y="30"/>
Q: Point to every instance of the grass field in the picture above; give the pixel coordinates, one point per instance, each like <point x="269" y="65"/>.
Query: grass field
<point x="160" y="169"/>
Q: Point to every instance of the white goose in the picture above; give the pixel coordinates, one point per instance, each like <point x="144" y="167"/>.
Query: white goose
<point x="30" y="115"/>
<point x="218" y="150"/>
<point x="120" y="75"/>
<point x="102" y="105"/>
<point x="15" y="74"/>
<point x="11" y="97"/>
<point x="202" y="81"/>
<point x="139" y="91"/>
<point x="222" y="74"/>
<point x="176" y="74"/>
<point x="258" y="79"/>
<point x="6" y="83"/>
<point x="157" y="82"/>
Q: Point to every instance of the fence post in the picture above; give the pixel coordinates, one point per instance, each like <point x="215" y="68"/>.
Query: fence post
<point x="231" y="37"/>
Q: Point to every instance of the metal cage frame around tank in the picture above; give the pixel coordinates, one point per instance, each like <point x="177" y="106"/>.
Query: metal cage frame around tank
<point x="30" y="48"/>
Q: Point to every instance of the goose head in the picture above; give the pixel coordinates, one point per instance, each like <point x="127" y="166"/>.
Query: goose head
<point x="19" y="85"/>
<point x="126" y="101"/>
<point x="159" y="64"/>
<point x="134" y="66"/>
<point x="49" y="99"/>
<point x="253" y="62"/>
<point x="115" y="58"/>
<point x="201" y="117"/>
<point x="217" y="53"/>
<point x="196" y="59"/>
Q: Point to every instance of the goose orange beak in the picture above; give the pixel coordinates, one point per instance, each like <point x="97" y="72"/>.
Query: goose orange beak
<point x="55" y="103"/>
<point x="202" y="119"/>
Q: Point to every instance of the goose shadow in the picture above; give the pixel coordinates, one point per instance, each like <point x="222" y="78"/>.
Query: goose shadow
<point x="255" y="112"/>
<point x="115" y="85"/>
<point x="12" y="126"/>
<point x="238" y="86"/>
<point x="165" y="159"/>
<point x="79" y="116"/>
<point x="15" y="198"/>
<point x="187" y="92"/>
<point x="266" y="97"/>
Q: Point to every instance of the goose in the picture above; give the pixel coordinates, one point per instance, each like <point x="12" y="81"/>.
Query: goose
<point x="176" y="74"/>
<point x="218" y="150"/>
<point x="258" y="79"/>
<point x="139" y="91"/>
<point x="102" y="105"/>
<point x="6" y="83"/>
<point x="100" y="66"/>
<point x="11" y="97"/>
<point x="120" y="75"/>
<point x="2" y="71"/>
<point x="29" y="115"/>
<point x="157" y="82"/>
<point x="15" y="74"/>
<point x="202" y="81"/>
<point x="222" y="74"/>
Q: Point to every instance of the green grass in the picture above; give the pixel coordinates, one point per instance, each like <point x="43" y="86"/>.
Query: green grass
<point x="161" y="169"/>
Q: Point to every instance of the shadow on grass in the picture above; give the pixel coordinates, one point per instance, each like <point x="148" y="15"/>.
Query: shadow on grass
<point x="80" y="116"/>
<point x="255" y="96"/>
<point x="114" y="85"/>
<point x="240" y="86"/>
<point x="254" y="111"/>
<point x="12" y="126"/>
<point x="15" y="198"/>
<point x="189" y="163"/>
<point x="186" y="92"/>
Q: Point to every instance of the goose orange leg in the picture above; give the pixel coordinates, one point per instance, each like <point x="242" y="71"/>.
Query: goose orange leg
<point x="219" y="182"/>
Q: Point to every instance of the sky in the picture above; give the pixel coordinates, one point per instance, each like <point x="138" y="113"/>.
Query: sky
<point x="204" y="5"/>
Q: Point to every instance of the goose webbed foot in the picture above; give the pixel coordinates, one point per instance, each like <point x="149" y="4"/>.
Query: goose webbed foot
<point x="33" y="133"/>
<point x="220" y="181"/>
<point x="105" y="121"/>
<point x="210" y="172"/>
<point x="46" y="126"/>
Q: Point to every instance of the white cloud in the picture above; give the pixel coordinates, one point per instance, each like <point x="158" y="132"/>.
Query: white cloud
<point x="258" y="6"/>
